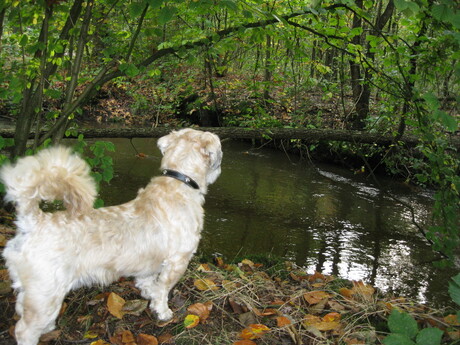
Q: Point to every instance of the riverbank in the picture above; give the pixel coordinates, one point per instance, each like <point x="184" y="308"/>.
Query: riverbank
<point x="261" y="300"/>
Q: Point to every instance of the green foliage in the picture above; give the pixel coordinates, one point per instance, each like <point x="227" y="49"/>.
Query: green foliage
<point x="101" y="164"/>
<point x="4" y="144"/>
<point x="404" y="331"/>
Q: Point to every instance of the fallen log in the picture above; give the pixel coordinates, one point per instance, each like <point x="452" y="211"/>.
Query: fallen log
<point x="308" y="135"/>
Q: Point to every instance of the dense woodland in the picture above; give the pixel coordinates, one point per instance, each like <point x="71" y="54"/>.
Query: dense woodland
<point x="375" y="69"/>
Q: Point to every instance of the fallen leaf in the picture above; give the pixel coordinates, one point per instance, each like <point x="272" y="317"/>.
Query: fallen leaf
<point x="204" y="268"/>
<point x="201" y="310"/>
<point x="332" y="317"/>
<point x="115" y="305"/>
<point x="191" y="321"/>
<point x="298" y="275"/>
<point x="354" y="341"/>
<point x="247" y="318"/>
<point x="5" y="287"/>
<point x="135" y="306"/>
<point x="204" y="284"/>
<point x="320" y="324"/>
<point x="347" y="293"/>
<point x="248" y="262"/>
<point x="363" y="290"/>
<point x="264" y="312"/>
<point x="317" y="278"/>
<point x="318" y="308"/>
<point x="2" y="240"/>
<point x="237" y="307"/>
<point x="244" y="342"/>
<point x="99" y="342"/>
<point x="229" y="285"/>
<point x="282" y="321"/>
<point x="145" y="339"/>
<point x="90" y="335"/>
<point x="219" y="262"/>
<point x="451" y="320"/>
<point x="314" y="297"/>
<point x="53" y="335"/>
<point x="334" y="305"/>
<point x="165" y="338"/>
<point x="141" y="155"/>
<point x="254" y="331"/>
<point x="127" y="337"/>
<point x="4" y="274"/>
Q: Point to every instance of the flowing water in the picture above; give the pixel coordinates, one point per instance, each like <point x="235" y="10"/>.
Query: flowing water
<point x="322" y="217"/>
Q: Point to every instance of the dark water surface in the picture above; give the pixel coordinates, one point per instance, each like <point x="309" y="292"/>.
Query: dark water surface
<point x="322" y="217"/>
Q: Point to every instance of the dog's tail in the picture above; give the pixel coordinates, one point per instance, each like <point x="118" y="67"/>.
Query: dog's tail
<point x="53" y="174"/>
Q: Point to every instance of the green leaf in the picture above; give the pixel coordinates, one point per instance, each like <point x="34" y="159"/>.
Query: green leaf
<point x="55" y="94"/>
<point x="448" y="121"/>
<point x="166" y="14"/>
<point x="135" y="9"/>
<point x="23" y="41"/>
<point x="441" y="12"/>
<point x="397" y="339"/>
<point x="454" y="289"/>
<point x="402" y="323"/>
<point x="98" y="203"/>
<point x="229" y="4"/>
<point x="431" y="100"/>
<point x="155" y="3"/>
<point x="429" y="336"/>
<point x="401" y="5"/>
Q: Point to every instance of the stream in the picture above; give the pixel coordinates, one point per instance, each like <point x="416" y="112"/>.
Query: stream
<point x="322" y="217"/>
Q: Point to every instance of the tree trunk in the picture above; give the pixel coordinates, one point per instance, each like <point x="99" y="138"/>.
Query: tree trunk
<point x="309" y="135"/>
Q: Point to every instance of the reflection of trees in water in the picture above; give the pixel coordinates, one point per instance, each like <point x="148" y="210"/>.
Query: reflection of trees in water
<point x="263" y="204"/>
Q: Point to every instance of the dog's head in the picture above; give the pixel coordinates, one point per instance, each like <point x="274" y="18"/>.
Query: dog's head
<point x="192" y="152"/>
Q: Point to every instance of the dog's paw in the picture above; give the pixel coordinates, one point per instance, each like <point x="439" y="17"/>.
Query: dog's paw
<point x="165" y="315"/>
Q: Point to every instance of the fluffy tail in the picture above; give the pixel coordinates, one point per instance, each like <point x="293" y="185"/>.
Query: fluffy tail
<point x="52" y="174"/>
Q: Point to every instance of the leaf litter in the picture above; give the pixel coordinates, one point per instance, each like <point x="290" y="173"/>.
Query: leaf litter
<point x="245" y="303"/>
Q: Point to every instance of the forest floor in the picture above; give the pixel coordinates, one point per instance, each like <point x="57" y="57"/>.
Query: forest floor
<point x="254" y="301"/>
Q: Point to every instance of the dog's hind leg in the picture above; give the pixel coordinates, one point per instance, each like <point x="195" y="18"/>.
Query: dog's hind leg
<point x="156" y="288"/>
<point x="40" y="310"/>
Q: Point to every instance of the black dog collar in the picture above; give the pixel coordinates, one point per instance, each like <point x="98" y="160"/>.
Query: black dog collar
<point x="181" y="177"/>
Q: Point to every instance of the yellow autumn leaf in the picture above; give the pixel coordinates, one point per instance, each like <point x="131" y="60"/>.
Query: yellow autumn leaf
<point x="99" y="342"/>
<point x="254" y="331"/>
<point x="191" y="321"/>
<point x="319" y="323"/>
<point x="204" y="284"/>
<point x="90" y="335"/>
<point x="314" y="297"/>
<point x="334" y="316"/>
<point x="115" y="305"/>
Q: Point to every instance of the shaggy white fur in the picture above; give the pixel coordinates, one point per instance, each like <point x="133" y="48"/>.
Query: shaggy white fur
<point x="151" y="238"/>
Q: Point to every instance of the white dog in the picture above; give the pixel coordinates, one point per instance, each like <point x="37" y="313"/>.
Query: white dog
<point x="151" y="238"/>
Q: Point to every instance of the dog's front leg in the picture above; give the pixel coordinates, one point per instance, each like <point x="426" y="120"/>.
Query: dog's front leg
<point x="157" y="287"/>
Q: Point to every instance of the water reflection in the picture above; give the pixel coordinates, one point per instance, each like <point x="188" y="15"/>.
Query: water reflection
<point x="322" y="217"/>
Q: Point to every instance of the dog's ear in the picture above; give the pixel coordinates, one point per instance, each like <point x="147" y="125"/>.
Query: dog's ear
<point x="164" y="142"/>
<point x="211" y="149"/>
